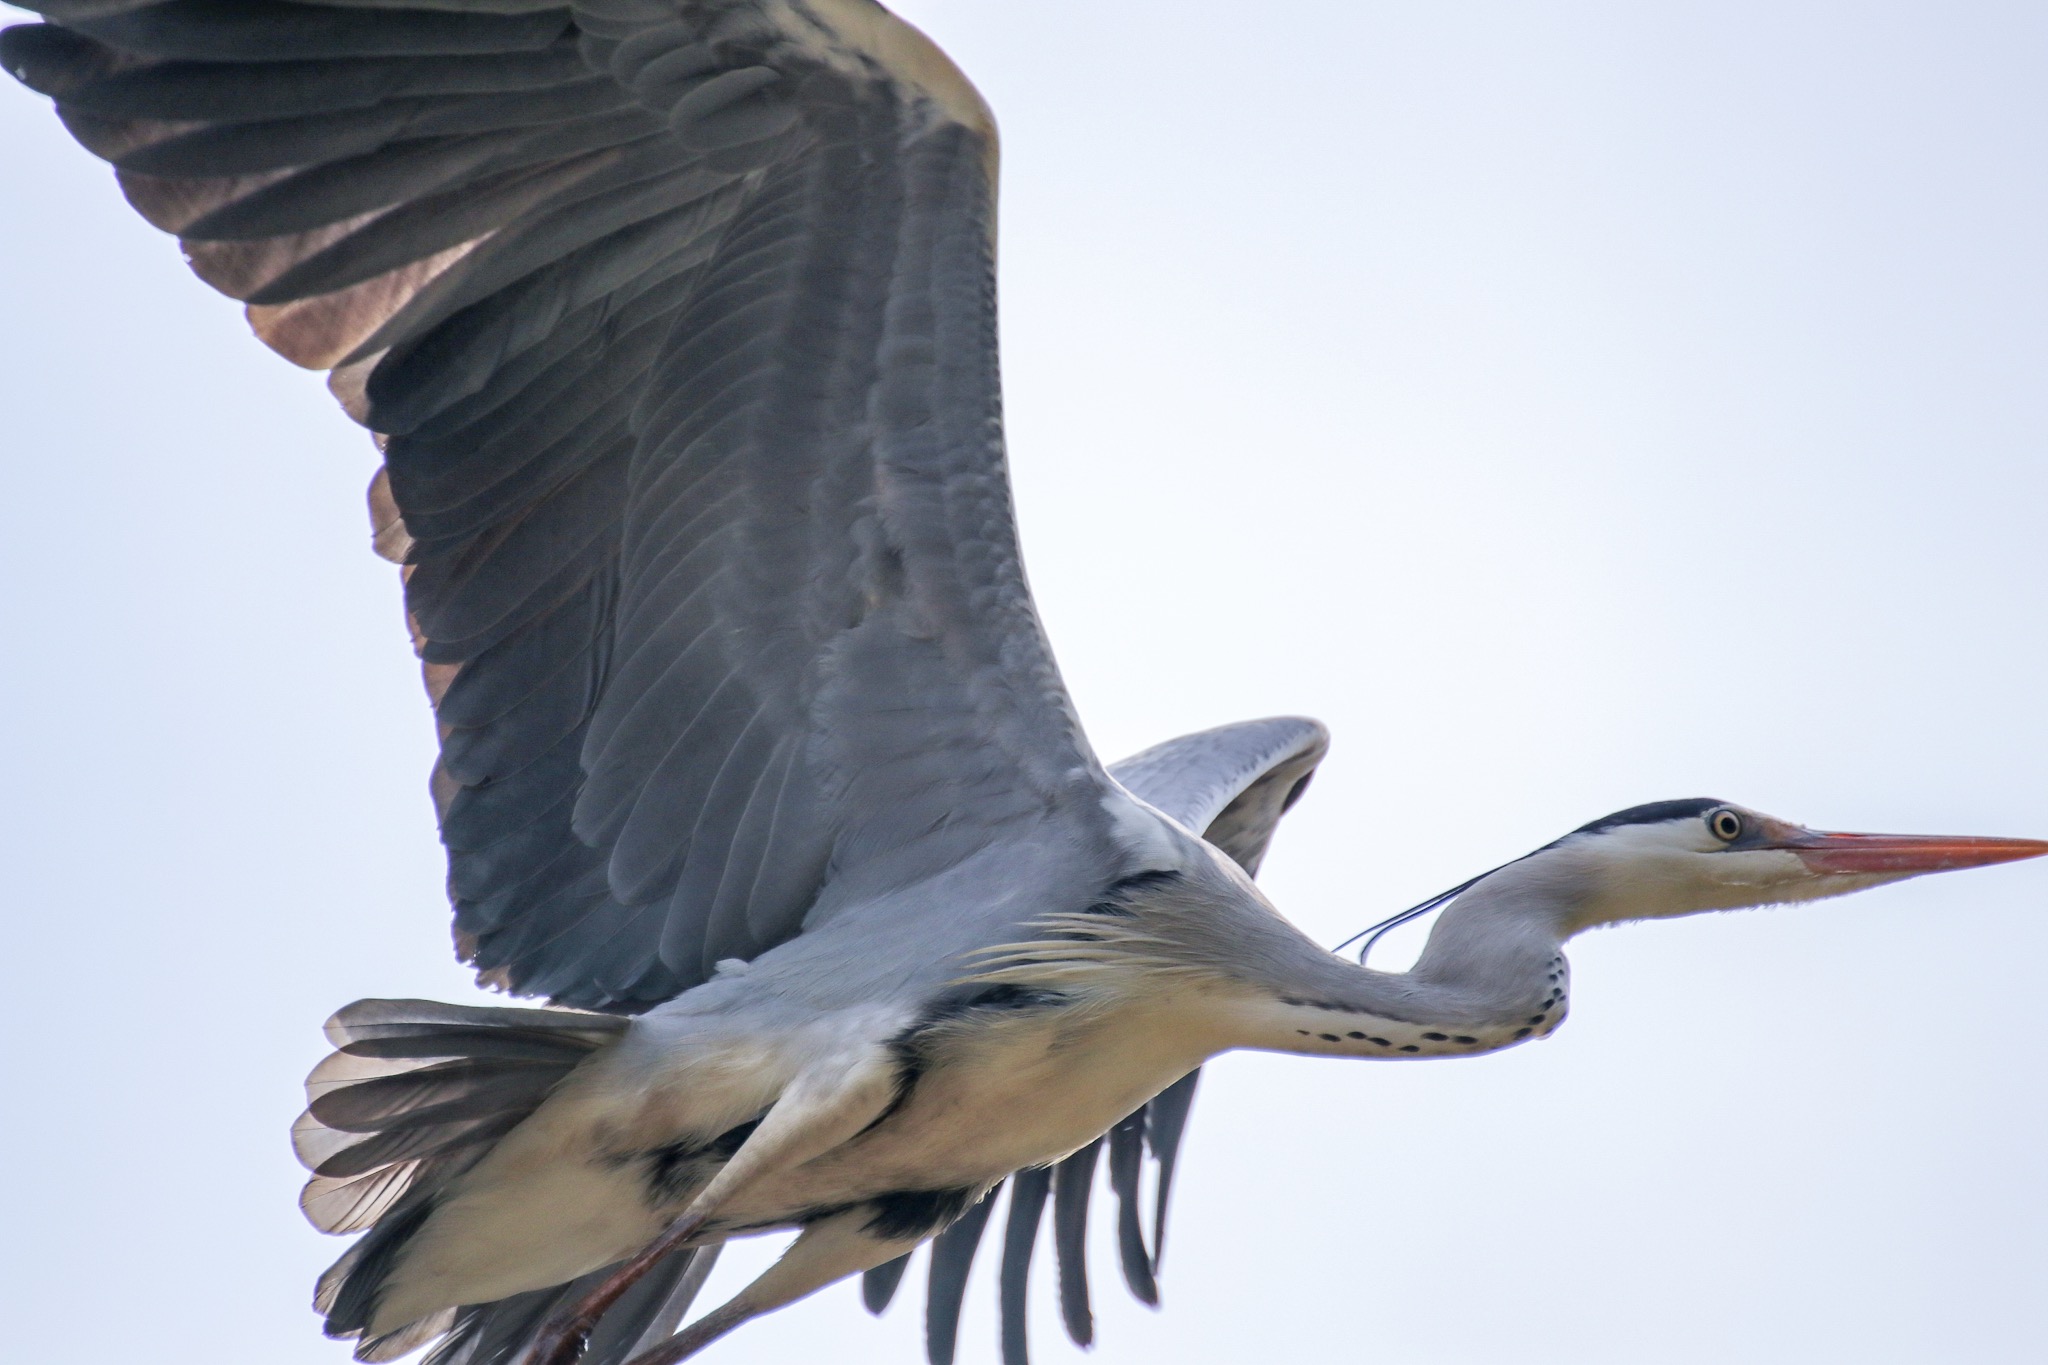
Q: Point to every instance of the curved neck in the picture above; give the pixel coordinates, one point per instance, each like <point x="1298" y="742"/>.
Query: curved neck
<point x="1493" y="975"/>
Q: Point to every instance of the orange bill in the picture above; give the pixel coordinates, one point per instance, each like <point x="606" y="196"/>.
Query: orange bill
<point x="1895" y="853"/>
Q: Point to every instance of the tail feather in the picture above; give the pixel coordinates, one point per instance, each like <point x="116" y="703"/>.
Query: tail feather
<point x="378" y="1022"/>
<point x="345" y="1204"/>
<point x="351" y="1285"/>
<point x="407" y="1144"/>
<point x="497" y="1333"/>
<point x="414" y="1095"/>
<point x="493" y="1334"/>
<point x="436" y="1095"/>
<point x="499" y="1044"/>
<point x="406" y="1339"/>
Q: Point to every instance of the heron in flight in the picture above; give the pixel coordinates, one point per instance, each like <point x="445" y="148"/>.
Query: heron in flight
<point x="675" y="320"/>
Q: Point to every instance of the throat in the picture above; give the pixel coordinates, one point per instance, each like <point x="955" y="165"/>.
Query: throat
<point x="1439" y="1009"/>
<point x="1492" y="975"/>
<point x="1458" y="1026"/>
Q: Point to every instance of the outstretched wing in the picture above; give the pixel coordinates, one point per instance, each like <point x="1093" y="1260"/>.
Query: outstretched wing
<point x="676" y="321"/>
<point x="1233" y="784"/>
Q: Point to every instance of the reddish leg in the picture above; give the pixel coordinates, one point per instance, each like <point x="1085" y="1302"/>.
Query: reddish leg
<point x="561" y="1338"/>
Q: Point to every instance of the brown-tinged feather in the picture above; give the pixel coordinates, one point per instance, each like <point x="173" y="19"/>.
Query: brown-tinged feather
<point x="172" y="202"/>
<point x="320" y="332"/>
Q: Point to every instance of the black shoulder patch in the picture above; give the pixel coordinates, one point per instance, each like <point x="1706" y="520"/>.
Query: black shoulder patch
<point x="1002" y="995"/>
<point x="1655" y="813"/>
<point x="904" y="1214"/>
<point x="675" y="1169"/>
<point x="909" y="1047"/>
<point x="1116" y="898"/>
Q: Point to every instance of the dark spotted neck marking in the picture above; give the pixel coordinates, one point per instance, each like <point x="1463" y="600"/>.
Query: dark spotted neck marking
<point x="1338" y="1029"/>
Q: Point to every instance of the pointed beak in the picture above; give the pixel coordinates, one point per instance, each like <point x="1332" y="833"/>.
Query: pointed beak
<point x="1903" y="854"/>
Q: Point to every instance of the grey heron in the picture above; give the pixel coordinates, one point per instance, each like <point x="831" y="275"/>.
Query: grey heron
<point x="712" y="571"/>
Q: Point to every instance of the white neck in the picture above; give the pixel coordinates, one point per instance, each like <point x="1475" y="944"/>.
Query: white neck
<point x="1493" y="975"/>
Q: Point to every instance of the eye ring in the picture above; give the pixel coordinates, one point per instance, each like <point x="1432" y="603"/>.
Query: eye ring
<point x="1725" y="825"/>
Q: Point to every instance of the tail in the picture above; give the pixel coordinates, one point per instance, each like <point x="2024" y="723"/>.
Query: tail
<point x="415" y="1094"/>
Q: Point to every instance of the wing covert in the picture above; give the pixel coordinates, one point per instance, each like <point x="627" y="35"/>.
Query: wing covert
<point x="1233" y="783"/>
<point x="676" y="323"/>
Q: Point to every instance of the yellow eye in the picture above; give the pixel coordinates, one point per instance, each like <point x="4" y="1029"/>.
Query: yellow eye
<point x="1726" y="825"/>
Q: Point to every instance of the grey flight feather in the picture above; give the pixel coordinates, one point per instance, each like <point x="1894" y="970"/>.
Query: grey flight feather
<point x="677" y="323"/>
<point x="1029" y="1190"/>
<point x="878" y="1286"/>
<point x="1166" y="1122"/>
<point x="1126" y="1166"/>
<point x="952" y="1256"/>
<point x="1072" y="1182"/>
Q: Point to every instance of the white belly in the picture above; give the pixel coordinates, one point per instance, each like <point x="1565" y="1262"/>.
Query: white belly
<point x="1025" y="1094"/>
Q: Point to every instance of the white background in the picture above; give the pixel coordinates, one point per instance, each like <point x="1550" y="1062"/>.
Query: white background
<point x="1574" y="404"/>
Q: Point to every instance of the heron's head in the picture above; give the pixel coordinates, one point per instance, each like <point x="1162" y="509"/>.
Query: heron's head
<point x="1682" y="857"/>
<point x="1668" y="859"/>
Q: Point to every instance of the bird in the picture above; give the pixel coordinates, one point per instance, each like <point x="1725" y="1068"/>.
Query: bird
<point x="675" y="323"/>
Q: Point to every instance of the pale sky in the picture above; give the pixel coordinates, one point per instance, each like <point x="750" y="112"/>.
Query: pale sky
<point x="1573" y="404"/>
